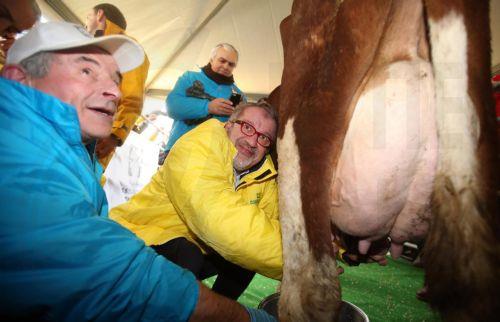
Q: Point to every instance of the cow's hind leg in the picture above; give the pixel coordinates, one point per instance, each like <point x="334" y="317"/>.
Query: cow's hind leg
<point x="462" y="254"/>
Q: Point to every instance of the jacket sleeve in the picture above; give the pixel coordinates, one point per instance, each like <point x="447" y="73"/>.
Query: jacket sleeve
<point x="182" y="107"/>
<point x="196" y="179"/>
<point x="132" y="100"/>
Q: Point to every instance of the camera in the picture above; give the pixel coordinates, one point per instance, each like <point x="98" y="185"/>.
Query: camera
<point x="235" y="99"/>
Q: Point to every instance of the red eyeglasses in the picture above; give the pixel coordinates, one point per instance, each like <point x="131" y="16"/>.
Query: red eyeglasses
<point x="249" y="130"/>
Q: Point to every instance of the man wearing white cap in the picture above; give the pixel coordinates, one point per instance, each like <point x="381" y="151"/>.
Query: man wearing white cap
<point x="60" y="257"/>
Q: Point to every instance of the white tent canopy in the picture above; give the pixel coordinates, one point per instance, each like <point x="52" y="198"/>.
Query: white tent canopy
<point x="178" y="35"/>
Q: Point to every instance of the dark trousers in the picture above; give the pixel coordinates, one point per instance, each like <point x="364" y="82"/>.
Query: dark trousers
<point x="232" y="280"/>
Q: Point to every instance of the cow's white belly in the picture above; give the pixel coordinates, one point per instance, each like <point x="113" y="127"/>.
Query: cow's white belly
<point x="386" y="169"/>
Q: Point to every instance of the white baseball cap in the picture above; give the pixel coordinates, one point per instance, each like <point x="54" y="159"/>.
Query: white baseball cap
<point x="53" y="36"/>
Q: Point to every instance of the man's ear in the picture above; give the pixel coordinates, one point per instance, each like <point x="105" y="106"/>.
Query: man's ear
<point x="16" y="73"/>
<point x="100" y="15"/>
<point x="101" y="20"/>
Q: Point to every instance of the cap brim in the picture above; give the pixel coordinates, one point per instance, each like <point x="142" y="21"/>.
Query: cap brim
<point x="127" y="53"/>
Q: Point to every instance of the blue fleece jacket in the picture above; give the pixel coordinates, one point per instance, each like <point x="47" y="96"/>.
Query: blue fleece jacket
<point x="181" y="107"/>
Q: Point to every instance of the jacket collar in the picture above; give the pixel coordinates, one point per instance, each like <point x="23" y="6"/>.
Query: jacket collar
<point x="261" y="172"/>
<point x="113" y="29"/>
<point x="218" y="78"/>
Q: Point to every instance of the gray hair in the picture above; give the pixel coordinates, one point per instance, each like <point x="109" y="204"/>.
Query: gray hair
<point x="38" y="65"/>
<point x="226" y="46"/>
<point x="271" y="111"/>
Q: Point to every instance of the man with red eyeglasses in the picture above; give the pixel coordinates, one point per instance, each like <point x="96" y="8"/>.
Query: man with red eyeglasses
<point x="213" y="207"/>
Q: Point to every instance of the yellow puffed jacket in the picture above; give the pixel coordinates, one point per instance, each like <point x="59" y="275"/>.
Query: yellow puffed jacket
<point x="193" y="195"/>
<point x="132" y="88"/>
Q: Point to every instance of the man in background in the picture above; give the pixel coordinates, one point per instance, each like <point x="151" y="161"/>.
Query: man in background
<point x="198" y="96"/>
<point x="107" y="19"/>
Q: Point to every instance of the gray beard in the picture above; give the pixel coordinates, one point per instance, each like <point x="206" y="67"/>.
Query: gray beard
<point x="241" y="165"/>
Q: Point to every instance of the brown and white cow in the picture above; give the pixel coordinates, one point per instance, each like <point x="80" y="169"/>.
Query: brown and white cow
<point x="386" y="130"/>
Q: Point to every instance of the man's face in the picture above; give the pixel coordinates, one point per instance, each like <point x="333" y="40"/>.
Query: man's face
<point x="249" y="151"/>
<point x="224" y="62"/>
<point x="87" y="78"/>
<point x="91" y="21"/>
<point x="17" y="15"/>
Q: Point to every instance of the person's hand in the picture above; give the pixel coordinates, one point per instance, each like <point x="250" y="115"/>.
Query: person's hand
<point x="220" y="106"/>
<point x="377" y="258"/>
<point x="362" y="251"/>
<point x="376" y="252"/>
<point x="336" y="251"/>
<point x="105" y="146"/>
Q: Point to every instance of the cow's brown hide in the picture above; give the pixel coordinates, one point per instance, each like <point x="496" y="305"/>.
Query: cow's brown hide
<point x="462" y="253"/>
<point x="332" y="47"/>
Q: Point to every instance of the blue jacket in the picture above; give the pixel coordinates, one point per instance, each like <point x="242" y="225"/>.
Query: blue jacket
<point x="61" y="258"/>
<point x="181" y="107"/>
